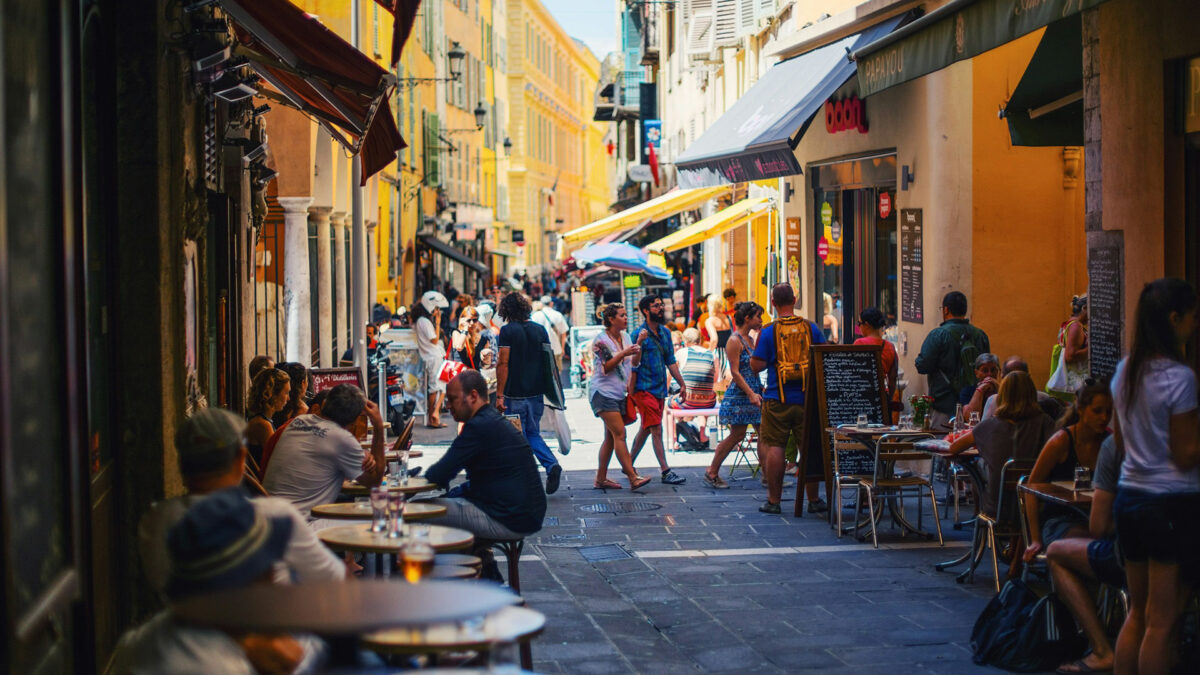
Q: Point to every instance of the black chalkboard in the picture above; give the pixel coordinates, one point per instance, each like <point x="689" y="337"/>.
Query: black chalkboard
<point x="849" y="382"/>
<point x="1105" y="302"/>
<point x="912" y="270"/>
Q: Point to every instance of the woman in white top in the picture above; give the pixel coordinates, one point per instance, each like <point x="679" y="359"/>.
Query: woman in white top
<point x="613" y="358"/>
<point x="1158" y="496"/>
<point x="428" y="315"/>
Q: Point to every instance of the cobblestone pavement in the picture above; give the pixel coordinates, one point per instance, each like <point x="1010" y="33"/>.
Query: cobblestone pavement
<point x="691" y="579"/>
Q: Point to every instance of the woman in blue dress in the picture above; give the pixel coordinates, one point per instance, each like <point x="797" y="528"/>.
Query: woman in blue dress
<point x="742" y="404"/>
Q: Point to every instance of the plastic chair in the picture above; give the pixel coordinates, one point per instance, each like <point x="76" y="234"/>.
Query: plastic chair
<point x="890" y="449"/>
<point x="1008" y="521"/>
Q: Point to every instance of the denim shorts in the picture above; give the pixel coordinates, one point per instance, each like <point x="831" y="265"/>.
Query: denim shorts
<point x="1160" y="527"/>
<point x="1105" y="563"/>
<point x="601" y="403"/>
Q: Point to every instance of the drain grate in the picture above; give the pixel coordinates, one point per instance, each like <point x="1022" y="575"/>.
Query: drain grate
<point x="550" y="521"/>
<point x="620" y="507"/>
<point x="618" y="521"/>
<point x="604" y="553"/>
<point x="568" y="537"/>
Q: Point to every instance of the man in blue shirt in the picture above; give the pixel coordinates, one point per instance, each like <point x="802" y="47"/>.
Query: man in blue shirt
<point x="781" y="416"/>
<point x="648" y="384"/>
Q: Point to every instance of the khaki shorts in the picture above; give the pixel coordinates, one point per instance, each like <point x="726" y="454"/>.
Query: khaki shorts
<point x="779" y="420"/>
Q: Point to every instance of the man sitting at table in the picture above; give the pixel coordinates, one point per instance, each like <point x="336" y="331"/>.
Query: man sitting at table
<point x="504" y="498"/>
<point x="316" y="453"/>
<point x="222" y="542"/>
<point x="212" y="457"/>
<point x="1049" y="405"/>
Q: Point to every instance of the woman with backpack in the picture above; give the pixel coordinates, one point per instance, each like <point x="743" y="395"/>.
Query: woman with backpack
<point x="1071" y="352"/>
<point x="1158" y="495"/>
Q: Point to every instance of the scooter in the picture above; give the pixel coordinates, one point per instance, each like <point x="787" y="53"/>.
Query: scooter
<point x="397" y="409"/>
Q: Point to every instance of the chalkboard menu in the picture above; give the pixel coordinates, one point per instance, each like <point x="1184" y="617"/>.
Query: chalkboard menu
<point x="849" y="382"/>
<point x="1105" y="301"/>
<point x="912" y="269"/>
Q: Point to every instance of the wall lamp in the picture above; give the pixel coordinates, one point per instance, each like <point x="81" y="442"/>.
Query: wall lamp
<point x="507" y="146"/>
<point x="480" y="119"/>
<point x="906" y="177"/>
<point x="456" y="56"/>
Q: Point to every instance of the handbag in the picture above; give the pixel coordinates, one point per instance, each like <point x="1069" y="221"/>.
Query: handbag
<point x="562" y="429"/>
<point x="450" y="369"/>
<point x="1058" y="379"/>
<point x="551" y="381"/>
<point x="630" y="415"/>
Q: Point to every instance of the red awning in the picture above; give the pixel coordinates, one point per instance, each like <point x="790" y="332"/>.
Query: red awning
<point x="404" y="15"/>
<point x="312" y="69"/>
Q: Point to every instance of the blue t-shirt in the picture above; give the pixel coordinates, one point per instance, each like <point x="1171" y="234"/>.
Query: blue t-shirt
<point x="656" y="356"/>
<point x="765" y="350"/>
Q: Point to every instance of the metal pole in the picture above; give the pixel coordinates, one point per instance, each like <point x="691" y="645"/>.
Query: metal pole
<point x="358" y="244"/>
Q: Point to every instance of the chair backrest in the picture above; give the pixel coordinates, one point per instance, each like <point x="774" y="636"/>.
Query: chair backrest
<point x="899" y="448"/>
<point x="842" y="451"/>
<point x="1012" y="474"/>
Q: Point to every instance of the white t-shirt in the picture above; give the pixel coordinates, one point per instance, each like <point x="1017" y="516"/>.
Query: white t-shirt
<point x="306" y="558"/>
<point x="312" y="458"/>
<point x="614" y="384"/>
<point x="1167" y="388"/>
<point x="162" y="646"/>
<point x="555" y="325"/>
<point x="427" y="341"/>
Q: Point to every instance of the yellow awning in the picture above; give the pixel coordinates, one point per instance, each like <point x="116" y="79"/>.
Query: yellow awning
<point x="663" y="206"/>
<point x="713" y="226"/>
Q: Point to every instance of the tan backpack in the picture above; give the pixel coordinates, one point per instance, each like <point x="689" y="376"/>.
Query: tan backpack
<point x="793" y="351"/>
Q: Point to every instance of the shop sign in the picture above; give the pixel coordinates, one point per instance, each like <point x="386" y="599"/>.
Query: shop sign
<point x="885" y="204"/>
<point x="1192" y="119"/>
<point x="826" y="214"/>
<point x="640" y="173"/>
<point x="823" y="249"/>
<point x="846" y="114"/>
<point x="518" y="237"/>
<point x="791" y="241"/>
<point x="835" y="229"/>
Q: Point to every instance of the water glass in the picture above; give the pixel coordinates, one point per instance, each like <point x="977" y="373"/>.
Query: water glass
<point x="863" y="421"/>
<point x="973" y="420"/>
<point x="1083" y="478"/>
<point x="395" y="510"/>
<point x="379" y="505"/>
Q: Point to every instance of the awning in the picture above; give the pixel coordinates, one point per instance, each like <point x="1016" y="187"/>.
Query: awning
<point x="453" y="253"/>
<point x="1046" y="108"/>
<point x="755" y="138"/>
<point x="713" y="226"/>
<point x="503" y="253"/>
<point x="310" y="68"/>
<point x="960" y="29"/>
<point x="663" y="206"/>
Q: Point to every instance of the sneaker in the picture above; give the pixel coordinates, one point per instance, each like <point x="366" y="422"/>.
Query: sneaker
<point x="715" y="482"/>
<point x="671" y="478"/>
<point x="768" y="507"/>
<point x="818" y="506"/>
<point x="552" y="478"/>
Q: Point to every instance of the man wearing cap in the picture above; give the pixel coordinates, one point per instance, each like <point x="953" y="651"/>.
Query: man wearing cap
<point x="554" y="322"/>
<point x="222" y="542"/>
<point x="212" y="457"/>
<point x="316" y="453"/>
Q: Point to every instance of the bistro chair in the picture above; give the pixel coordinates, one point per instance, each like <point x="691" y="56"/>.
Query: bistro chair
<point x="844" y="479"/>
<point x="1040" y="564"/>
<point x="1009" y="519"/>
<point x="742" y="453"/>
<point x="890" y="449"/>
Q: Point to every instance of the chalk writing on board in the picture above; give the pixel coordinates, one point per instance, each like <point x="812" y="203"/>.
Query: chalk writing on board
<point x="1105" y="290"/>
<point x="912" y="266"/>
<point x="849" y="383"/>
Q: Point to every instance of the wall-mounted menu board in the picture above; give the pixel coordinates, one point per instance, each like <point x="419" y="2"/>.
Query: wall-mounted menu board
<point x="912" y="270"/>
<point x="849" y="382"/>
<point x="1106" y="290"/>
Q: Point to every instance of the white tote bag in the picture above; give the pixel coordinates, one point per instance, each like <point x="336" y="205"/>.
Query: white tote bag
<point x="562" y="430"/>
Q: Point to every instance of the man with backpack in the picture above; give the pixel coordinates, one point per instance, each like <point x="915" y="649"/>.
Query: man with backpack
<point x="784" y="350"/>
<point x="948" y="357"/>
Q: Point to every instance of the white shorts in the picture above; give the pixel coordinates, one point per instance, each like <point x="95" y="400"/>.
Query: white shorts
<point x="433" y="384"/>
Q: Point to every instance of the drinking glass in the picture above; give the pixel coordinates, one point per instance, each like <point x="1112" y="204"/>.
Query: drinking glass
<point x="862" y="421"/>
<point x="417" y="556"/>
<point x="973" y="420"/>
<point x="1083" y="478"/>
<point x="395" y="509"/>
<point x="379" y="505"/>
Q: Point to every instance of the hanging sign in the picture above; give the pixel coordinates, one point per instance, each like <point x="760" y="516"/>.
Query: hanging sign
<point x="885" y="204"/>
<point x="826" y="214"/>
<point x="823" y="249"/>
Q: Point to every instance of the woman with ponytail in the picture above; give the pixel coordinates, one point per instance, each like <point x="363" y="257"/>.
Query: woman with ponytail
<point x="614" y="356"/>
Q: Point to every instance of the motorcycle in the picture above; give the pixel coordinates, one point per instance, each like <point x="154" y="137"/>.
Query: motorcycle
<point x="398" y="409"/>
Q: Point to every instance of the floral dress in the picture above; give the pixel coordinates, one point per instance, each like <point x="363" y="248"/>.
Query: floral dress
<point x="735" y="406"/>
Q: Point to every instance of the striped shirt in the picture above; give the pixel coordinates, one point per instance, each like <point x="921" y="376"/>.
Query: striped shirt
<point x="699" y="373"/>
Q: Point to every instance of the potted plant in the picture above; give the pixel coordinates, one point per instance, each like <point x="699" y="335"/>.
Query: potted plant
<point x="921" y="404"/>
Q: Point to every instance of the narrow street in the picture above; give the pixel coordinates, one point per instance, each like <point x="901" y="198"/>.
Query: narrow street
<point x="686" y="579"/>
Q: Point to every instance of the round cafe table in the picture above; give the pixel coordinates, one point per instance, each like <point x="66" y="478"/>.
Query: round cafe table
<point x="452" y="572"/>
<point x="415" y="485"/>
<point x="359" y="538"/>
<point x="355" y="511"/>
<point x="504" y="626"/>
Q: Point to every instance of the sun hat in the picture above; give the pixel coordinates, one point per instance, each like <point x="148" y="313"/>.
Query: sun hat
<point x="223" y="542"/>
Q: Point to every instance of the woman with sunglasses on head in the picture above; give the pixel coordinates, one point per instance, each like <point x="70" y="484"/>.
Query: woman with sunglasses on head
<point x="614" y="356"/>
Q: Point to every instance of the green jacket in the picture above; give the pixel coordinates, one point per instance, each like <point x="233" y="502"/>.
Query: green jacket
<point x="939" y="359"/>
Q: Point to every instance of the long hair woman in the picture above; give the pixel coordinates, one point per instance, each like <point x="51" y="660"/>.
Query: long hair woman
<point x="614" y="356"/>
<point x="268" y="395"/>
<point x="717" y="324"/>
<point x="742" y="404"/>
<point x="1158" y="495"/>
<point x="296" y="405"/>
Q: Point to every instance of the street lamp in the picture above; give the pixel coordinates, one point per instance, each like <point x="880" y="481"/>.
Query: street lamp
<point x="456" y="56"/>
<point x="507" y="146"/>
<point x="480" y="115"/>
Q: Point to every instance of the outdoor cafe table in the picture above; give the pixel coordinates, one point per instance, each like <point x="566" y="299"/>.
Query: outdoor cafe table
<point x="967" y="460"/>
<point x="870" y="437"/>
<point x="360" y="539"/>
<point x="505" y="626"/>
<point x="1061" y="492"/>
<point x="415" y="485"/>
<point x="341" y="611"/>
<point x="354" y="511"/>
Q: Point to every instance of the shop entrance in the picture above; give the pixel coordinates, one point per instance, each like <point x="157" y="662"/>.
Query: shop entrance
<point x="856" y="242"/>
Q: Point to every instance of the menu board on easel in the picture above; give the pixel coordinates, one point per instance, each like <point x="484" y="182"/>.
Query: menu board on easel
<point x="850" y="382"/>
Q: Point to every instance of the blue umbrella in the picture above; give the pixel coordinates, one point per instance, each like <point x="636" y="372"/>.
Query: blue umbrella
<point x="621" y="256"/>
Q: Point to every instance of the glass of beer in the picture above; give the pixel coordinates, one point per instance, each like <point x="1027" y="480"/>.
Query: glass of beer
<point x="416" y="557"/>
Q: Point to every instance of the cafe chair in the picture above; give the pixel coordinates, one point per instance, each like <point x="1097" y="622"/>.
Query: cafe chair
<point x="512" y="549"/>
<point x="743" y="451"/>
<point x="844" y="478"/>
<point x="1009" y="519"/>
<point x="884" y="482"/>
<point x="1040" y="565"/>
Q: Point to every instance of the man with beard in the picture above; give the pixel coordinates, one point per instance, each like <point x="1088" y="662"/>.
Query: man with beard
<point x="648" y="383"/>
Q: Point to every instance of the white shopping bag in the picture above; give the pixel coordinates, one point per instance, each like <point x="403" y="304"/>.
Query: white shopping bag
<point x="558" y="419"/>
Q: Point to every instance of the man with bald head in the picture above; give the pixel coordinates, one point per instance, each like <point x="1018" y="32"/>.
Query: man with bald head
<point x="1049" y="405"/>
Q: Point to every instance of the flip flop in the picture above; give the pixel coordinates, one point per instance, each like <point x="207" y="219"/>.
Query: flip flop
<point x="1080" y="667"/>
<point x="639" y="483"/>
<point x="436" y="426"/>
<point x="607" y="484"/>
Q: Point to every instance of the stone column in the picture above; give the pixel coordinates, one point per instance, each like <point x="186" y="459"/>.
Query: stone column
<point x="297" y="299"/>
<point x="372" y="266"/>
<point x="340" y="274"/>
<point x="319" y="216"/>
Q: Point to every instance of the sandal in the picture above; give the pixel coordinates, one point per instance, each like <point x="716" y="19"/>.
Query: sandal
<point x="1078" y="666"/>
<point x="606" y="484"/>
<point x="715" y="482"/>
<point x="640" y="482"/>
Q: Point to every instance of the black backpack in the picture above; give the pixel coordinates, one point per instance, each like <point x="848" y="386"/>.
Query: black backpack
<point x="688" y="437"/>
<point x="967" y="340"/>
<point x="1021" y="632"/>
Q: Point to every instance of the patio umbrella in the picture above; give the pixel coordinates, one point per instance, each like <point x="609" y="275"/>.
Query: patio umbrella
<point x="621" y="256"/>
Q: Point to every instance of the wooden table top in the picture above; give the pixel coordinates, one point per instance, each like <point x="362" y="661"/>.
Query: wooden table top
<point x="335" y="608"/>
<point x="353" y="511"/>
<point x="415" y="485"/>
<point x="507" y="625"/>
<point x="360" y="538"/>
<point x="452" y="572"/>
<point x="1060" y="492"/>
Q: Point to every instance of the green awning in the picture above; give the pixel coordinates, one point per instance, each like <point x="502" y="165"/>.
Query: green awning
<point x="1047" y="106"/>
<point x="958" y="30"/>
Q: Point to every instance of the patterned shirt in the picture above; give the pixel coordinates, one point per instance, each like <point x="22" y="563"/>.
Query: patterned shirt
<point x="656" y="357"/>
